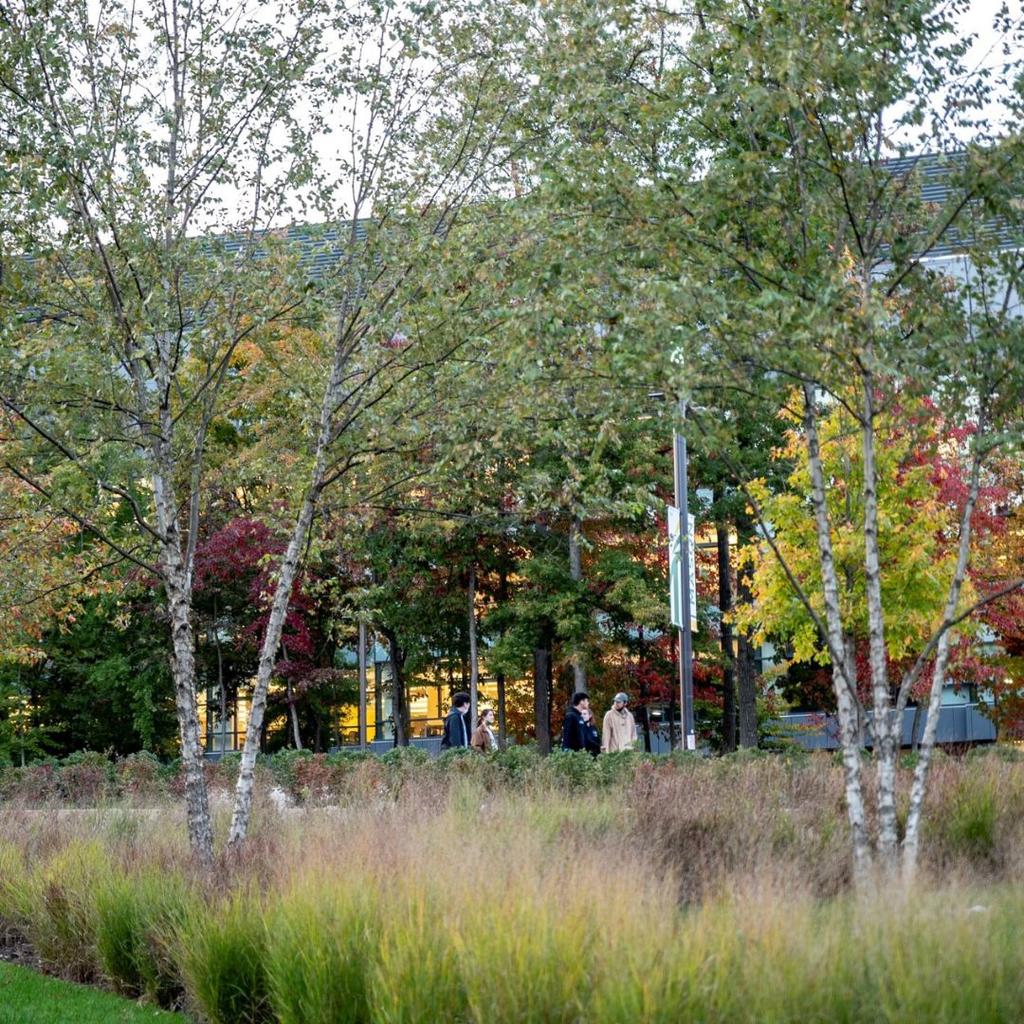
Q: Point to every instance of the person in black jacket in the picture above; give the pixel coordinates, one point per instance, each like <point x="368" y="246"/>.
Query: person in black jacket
<point x="456" y="726"/>
<point x="574" y="735"/>
<point x="591" y="737"/>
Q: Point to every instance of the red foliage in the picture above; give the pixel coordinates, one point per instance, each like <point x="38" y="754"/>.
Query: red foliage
<point x="240" y="559"/>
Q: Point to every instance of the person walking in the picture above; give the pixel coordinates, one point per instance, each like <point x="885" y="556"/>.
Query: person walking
<point x="483" y="738"/>
<point x="456" y="728"/>
<point x="573" y="736"/>
<point x="619" y="727"/>
<point x="591" y="737"/>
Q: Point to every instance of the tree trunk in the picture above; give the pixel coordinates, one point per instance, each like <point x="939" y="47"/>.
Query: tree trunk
<point x="399" y="705"/>
<point x="746" y="677"/>
<point x="646" y="721"/>
<point x="221" y="691"/>
<point x="728" y="655"/>
<point x="362" y="685"/>
<point x="502" y="721"/>
<point x="843" y="682"/>
<point x="500" y="678"/>
<point x="293" y="715"/>
<point x="542" y="697"/>
<point x="178" y="588"/>
<point x="268" y="656"/>
<point x="282" y="592"/>
<point x="474" y="663"/>
<point x="579" y="668"/>
<point x="884" y="726"/>
<point x="197" y="805"/>
<point x="931" y="725"/>
<point x="378" y="701"/>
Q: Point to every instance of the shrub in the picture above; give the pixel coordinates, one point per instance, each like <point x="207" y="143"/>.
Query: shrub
<point x="221" y="948"/>
<point x="464" y="763"/>
<point x="140" y="774"/>
<point x="223" y="773"/>
<point x="315" y="779"/>
<point x="282" y="765"/>
<point x="517" y="764"/>
<point x="401" y="765"/>
<point x="570" y="768"/>
<point x="86" y="777"/>
<point x="38" y="783"/>
<point x="620" y="768"/>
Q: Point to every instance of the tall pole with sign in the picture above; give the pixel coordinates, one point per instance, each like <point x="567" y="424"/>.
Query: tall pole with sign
<point x="687" y="573"/>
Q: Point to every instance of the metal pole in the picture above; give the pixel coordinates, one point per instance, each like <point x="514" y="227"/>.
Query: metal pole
<point x="362" y="685"/>
<point x="685" y="640"/>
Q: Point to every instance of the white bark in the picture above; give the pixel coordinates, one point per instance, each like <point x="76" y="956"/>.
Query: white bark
<point x="919" y="786"/>
<point x="178" y="589"/>
<point x="885" y="727"/>
<point x="242" y="811"/>
<point x="842" y="680"/>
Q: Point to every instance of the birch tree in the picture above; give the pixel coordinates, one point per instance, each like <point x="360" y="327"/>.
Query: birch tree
<point x="131" y="129"/>
<point x="422" y="133"/>
<point x="825" y="268"/>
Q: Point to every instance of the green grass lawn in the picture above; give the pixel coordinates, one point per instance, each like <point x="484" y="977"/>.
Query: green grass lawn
<point x="30" y="998"/>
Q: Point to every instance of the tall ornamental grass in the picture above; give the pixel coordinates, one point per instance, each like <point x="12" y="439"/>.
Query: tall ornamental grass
<point x="322" y="935"/>
<point x="715" y="893"/>
<point x="137" y="919"/>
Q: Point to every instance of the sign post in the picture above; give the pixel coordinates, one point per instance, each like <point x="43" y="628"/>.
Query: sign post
<point x="687" y="618"/>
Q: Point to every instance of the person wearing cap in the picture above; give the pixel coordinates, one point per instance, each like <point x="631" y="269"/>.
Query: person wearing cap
<point x="619" y="727"/>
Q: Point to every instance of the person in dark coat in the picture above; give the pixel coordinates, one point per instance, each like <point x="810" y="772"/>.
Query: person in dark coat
<point x="456" y="725"/>
<point x="573" y="734"/>
<point x="591" y="737"/>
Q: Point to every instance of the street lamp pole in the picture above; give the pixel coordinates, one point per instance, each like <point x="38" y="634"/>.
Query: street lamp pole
<point x="685" y="639"/>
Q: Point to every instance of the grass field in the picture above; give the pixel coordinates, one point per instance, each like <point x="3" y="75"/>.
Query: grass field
<point x="30" y="998"/>
<point x="717" y="891"/>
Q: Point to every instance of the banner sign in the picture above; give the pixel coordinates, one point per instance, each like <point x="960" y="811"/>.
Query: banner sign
<point x="675" y="568"/>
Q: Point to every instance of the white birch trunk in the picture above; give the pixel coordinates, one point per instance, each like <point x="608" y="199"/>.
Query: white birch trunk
<point x="177" y="586"/>
<point x="842" y="682"/>
<point x="885" y="728"/>
<point x="918" y="788"/>
<point x="242" y="811"/>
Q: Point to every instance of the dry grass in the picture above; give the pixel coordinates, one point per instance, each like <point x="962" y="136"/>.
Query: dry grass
<point x="714" y="891"/>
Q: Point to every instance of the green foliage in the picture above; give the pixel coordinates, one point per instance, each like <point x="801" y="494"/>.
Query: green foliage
<point x="102" y="684"/>
<point x="911" y="548"/>
<point x="517" y="763"/>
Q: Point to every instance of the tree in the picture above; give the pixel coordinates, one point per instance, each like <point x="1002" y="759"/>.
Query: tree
<point x="129" y="127"/>
<point x="825" y="266"/>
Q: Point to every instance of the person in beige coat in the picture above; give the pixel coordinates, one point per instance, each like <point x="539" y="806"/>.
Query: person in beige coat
<point x="619" y="731"/>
